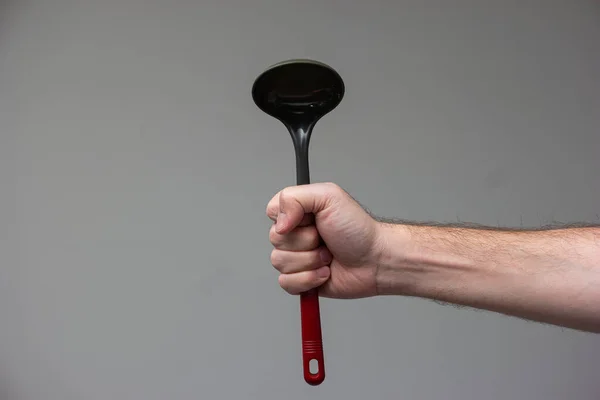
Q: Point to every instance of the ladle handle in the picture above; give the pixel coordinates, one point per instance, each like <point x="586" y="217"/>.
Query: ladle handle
<point x="310" y="314"/>
<point x="312" y="342"/>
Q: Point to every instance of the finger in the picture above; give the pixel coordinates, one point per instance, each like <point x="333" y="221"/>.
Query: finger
<point x="308" y="219"/>
<point x="299" y="282"/>
<point x="273" y="212"/>
<point x="300" y="239"/>
<point x="295" y="201"/>
<point x="273" y="207"/>
<point x="288" y="262"/>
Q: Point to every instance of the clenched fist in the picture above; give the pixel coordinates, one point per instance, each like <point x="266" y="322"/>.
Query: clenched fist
<point x="323" y="238"/>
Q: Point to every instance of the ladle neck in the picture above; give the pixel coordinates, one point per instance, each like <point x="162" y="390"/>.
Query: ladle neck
<point x="301" y="138"/>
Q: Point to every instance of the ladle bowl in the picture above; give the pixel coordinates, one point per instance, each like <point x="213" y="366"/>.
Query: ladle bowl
<point x="299" y="93"/>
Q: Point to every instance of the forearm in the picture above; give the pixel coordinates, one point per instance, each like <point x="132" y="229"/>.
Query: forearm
<point x="550" y="276"/>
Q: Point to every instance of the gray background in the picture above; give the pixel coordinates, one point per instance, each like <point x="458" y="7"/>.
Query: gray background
<point x="135" y="172"/>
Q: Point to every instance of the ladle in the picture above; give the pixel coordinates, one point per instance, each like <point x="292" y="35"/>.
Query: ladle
<point x="299" y="93"/>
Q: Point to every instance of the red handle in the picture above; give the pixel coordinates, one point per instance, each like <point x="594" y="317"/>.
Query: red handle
<point x="312" y="341"/>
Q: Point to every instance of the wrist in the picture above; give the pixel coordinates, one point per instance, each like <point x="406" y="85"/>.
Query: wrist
<point x="392" y="276"/>
<point x="431" y="262"/>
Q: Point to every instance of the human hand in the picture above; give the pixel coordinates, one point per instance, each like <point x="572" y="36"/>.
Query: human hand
<point x="323" y="238"/>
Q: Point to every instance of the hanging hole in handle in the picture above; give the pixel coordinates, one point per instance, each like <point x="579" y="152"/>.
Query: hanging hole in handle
<point x="313" y="366"/>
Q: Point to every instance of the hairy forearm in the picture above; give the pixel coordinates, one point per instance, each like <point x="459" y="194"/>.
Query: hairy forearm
<point x="550" y="276"/>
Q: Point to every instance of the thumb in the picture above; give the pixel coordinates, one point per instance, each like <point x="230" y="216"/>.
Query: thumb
<point x="296" y="201"/>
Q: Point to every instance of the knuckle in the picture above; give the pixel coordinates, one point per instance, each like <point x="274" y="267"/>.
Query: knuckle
<point x="297" y="283"/>
<point x="284" y="283"/>
<point x="287" y="195"/>
<point x="277" y="259"/>
<point x="272" y="209"/>
<point x="333" y="190"/>
<point x="274" y="237"/>
<point x="332" y="187"/>
<point x="283" y="193"/>
<point x="286" y="190"/>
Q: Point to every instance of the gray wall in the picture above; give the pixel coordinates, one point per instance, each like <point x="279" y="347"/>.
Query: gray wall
<point x="136" y="169"/>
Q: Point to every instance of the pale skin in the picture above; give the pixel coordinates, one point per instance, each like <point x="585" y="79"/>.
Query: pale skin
<point x="322" y="238"/>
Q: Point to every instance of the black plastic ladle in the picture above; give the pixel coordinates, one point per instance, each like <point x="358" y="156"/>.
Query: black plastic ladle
<point x="299" y="93"/>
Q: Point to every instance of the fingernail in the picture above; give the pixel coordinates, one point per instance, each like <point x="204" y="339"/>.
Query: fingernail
<point x="326" y="256"/>
<point x="323" y="272"/>
<point x="280" y="222"/>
